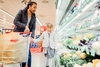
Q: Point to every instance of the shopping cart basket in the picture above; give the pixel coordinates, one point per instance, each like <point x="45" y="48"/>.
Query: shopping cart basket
<point x="14" y="48"/>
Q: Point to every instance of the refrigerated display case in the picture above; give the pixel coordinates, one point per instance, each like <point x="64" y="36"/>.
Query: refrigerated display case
<point x="82" y="22"/>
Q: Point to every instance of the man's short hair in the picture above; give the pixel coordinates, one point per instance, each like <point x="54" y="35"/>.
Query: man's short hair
<point x="31" y="3"/>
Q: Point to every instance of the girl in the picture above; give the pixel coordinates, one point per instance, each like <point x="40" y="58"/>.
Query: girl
<point x="48" y="38"/>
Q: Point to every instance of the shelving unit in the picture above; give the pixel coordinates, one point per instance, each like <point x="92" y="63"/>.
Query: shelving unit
<point x="4" y="22"/>
<point x="81" y="22"/>
<point x="82" y="13"/>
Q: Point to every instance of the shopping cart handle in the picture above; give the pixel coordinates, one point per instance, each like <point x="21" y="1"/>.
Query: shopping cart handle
<point x="8" y="32"/>
<point x="13" y="40"/>
<point x="25" y="33"/>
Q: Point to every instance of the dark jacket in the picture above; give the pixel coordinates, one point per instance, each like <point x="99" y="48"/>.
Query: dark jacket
<point x="21" y="20"/>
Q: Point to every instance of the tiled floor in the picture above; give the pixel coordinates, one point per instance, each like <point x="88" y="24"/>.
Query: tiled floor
<point x="38" y="60"/>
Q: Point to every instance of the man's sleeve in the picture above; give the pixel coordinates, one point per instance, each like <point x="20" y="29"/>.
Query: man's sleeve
<point x="17" y="19"/>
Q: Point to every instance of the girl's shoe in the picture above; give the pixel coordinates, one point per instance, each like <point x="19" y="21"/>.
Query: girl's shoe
<point x="47" y="66"/>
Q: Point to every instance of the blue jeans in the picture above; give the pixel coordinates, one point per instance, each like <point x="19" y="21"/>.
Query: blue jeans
<point x="29" y="60"/>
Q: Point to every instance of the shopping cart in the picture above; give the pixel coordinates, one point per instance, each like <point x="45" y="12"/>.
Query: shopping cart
<point x="14" y="48"/>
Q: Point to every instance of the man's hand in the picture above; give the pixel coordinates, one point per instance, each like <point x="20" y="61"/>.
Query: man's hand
<point x="27" y="30"/>
<point x="31" y="40"/>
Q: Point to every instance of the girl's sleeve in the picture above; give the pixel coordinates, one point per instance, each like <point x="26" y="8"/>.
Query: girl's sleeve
<point x="39" y="39"/>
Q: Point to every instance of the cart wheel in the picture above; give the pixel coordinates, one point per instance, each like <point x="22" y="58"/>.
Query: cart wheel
<point x="26" y="65"/>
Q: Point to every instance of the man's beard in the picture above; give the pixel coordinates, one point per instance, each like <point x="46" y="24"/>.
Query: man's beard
<point x="31" y="12"/>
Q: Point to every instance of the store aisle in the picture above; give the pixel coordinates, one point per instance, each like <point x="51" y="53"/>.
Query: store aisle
<point x="38" y="60"/>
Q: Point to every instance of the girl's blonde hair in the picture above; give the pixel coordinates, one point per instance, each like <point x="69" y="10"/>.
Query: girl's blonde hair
<point x="50" y="25"/>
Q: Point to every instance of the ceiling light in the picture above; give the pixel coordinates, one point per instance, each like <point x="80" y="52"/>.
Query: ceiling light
<point x="6" y="13"/>
<point x="45" y="1"/>
<point x="39" y="21"/>
<point x="59" y="4"/>
<point x="42" y="15"/>
<point x="4" y="26"/>
<point x="7" y="22"/>
<point x="1" y="1"/>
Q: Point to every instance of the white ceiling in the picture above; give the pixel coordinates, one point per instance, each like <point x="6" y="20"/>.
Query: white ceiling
<point x="45" y="12"/>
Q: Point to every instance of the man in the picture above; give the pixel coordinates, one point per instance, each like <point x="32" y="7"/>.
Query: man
<point x="25" y="21"/>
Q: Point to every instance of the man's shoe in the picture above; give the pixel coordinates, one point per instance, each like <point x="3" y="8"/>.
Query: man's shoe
<point x="47" y="66"/>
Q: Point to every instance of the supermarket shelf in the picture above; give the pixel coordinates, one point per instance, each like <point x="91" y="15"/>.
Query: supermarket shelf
<point x="61" y="9"/>
<point x="92" y="52"/>
<point x="3" y="21"/>
<point x="85" y="12"/>
<point x="92" y="28"/>
<point x="71" y="3"/>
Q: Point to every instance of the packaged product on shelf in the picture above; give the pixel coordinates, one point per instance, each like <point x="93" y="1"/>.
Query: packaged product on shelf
<point x="88" y="1"/>
<point x="97" y="12"/>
